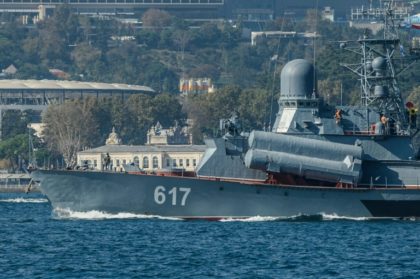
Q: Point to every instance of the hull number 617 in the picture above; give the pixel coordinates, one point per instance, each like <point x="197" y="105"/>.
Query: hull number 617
<point x="178" y="196"/>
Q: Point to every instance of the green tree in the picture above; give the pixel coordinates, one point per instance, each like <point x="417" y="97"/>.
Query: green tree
<point x="166" y="109"/>
<point x="14" y="149"/>
<point x="85" y="56"/>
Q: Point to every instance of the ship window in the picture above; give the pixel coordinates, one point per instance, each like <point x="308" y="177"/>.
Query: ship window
<point x="293" y="104"/>
<point x="118" y="163"/>
<point x="181" y="162"/>
<point x="300" y="104"/>
<point x="124" y="162"/>
<point x="174" y="162"/>
<point x="187" y="162"/>
<point x="194" y="162"/>
<point x="286" y="104"/>
<point x="145" y="162"/>
<point x="168" y="162"/>
<point x="155" y="162"/>
<point x="136" y="161"/>
<point x="95" y="163"/>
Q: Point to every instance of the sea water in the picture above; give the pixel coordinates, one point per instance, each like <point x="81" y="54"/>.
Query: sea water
<point x="36" y="242"/>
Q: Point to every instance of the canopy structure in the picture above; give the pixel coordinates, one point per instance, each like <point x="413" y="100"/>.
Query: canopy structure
<point x="37" y="94"/>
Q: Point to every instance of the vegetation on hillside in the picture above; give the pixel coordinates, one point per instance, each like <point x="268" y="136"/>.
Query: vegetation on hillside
<point x="158" y="55"/>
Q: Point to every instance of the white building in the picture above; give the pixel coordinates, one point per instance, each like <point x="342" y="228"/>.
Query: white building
<point x="149" y="158"/>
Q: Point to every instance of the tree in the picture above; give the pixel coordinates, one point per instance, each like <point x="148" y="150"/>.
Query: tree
<point x="84" y="56"/>
<point x="14" y="148"/>
<point x="254" y="109"/>
<point x="140" y="110"/>
<point x="166" y="109"/>
<point x="68" y="128"/>
<point x="205" y="70"/>
<point x="15" y="122"/>
<point x="156" y="19"/>
<point x="181" y="39"/>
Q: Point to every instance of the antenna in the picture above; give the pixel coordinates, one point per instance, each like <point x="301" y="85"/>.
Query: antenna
<point x="314" y="47"/>
<point x="377" y="68"/>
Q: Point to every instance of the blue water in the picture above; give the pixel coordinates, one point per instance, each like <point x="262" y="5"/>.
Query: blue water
<point x="36" y="243"/>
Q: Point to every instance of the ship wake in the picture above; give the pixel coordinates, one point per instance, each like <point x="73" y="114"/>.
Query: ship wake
<point x="297" y="218"/>
<point x="65" y="213"/>
<point x="24" y="200"/>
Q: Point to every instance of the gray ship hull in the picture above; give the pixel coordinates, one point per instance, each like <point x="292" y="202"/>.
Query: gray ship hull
<point x="215" y="199"/>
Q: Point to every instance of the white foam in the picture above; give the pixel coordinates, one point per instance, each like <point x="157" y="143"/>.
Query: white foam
<point x="330" y="217"/>
<point x="251" y="219"/>
<point x="65" y="213"/>
<point x="24" y="200"/>
<point x="300" y="217"/>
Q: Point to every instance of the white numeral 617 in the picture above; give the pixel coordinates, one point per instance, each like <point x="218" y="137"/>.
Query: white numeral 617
<point x="160" y="194"/>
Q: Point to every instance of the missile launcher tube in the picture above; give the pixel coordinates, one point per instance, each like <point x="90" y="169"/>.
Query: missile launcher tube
<point x="310" y="158"/>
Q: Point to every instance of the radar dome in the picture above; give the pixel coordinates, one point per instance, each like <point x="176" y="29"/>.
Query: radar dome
<point x="379" y="65"/>
<point x="297" y="80"/>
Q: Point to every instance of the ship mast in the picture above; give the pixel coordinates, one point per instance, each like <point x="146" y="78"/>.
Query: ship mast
<point x="377" y="70"/>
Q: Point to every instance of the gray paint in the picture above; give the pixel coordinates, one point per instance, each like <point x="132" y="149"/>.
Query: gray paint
<point x="309" y="158"/>
<point x="306" y="142"/>
<point x="297" y="79"/>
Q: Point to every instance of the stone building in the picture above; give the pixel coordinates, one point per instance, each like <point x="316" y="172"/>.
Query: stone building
<point x="160" y="153"/>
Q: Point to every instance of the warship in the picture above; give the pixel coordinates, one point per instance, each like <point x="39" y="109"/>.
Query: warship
<point x="353" y="161"/>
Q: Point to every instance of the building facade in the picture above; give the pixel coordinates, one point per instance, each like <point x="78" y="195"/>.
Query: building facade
<point x="149" y="158"/>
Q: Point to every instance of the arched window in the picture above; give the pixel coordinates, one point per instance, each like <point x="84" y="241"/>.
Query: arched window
<point x="155" y="162"/>
<point x="145" y="162"/>
<point x="136" y="161"/>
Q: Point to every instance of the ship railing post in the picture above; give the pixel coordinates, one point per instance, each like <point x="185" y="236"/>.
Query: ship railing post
<point x="386" y="182"/>
<point x="371" y="182"/>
